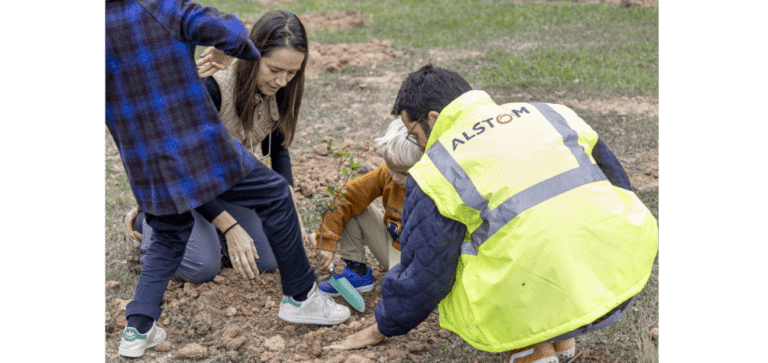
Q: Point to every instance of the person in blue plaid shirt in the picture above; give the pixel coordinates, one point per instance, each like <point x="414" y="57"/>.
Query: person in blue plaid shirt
<point x="179" y="156"/>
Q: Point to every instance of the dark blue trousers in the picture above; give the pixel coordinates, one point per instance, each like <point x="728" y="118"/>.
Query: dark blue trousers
<point x="264" y="191"/>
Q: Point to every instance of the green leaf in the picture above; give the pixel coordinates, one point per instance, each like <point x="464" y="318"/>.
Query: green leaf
<point x="345" y="171"/>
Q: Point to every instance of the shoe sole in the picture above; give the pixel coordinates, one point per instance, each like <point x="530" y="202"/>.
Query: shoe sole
<point x="317" y="321"/>
<point x="565" y="355"/>
<point x="365" y="288"/>
<point x="135" y="353"/>
<point x="522" y="354"/>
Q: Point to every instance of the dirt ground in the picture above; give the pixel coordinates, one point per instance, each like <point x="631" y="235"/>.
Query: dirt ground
<point x="644" y="3"/>
<point x="232" y="319"/>
<point x="272" y="2"/>
<point x="333" y="20"/>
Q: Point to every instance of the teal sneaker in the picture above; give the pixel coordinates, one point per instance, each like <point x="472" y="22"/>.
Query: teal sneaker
<point x="361" y="283"/>
<point x="134" y="344"/>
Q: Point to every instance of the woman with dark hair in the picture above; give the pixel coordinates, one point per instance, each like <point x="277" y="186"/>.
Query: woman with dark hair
<point x="259" y="103"/>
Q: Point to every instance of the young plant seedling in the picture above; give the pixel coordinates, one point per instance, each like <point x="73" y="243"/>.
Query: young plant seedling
<point x="323" y="204"/>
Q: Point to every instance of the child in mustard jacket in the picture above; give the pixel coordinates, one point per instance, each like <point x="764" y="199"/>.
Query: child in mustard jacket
<point x="357" y="223"/>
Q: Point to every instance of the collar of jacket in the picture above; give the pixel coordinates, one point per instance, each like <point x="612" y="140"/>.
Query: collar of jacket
<point x="457" y="109"/>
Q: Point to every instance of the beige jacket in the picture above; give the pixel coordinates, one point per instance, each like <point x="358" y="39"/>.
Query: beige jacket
<point x="264" y="119"/>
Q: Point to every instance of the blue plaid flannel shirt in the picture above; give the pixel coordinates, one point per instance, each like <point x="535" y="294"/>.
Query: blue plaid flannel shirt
<point x="176" y="150"/>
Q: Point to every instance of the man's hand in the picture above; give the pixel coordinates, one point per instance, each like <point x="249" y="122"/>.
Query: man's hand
<point x="242" y="252"/>
<point x="361" y="339"/>
<point x="325" y="259"/>
<point x="211" y="61"/>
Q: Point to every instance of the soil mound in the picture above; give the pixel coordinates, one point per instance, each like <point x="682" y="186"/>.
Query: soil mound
<point x="333" y="20"/>
<point x="273" y="2"/>
<point x="645" y="173"/>
<point x="314" y="168"/>
<point x="335" y="57"/>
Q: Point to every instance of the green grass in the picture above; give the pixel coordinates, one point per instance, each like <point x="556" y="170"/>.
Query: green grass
<point x="608" y="68"/>
<point x="599" y="48"/>
<point x="118" y="200"/>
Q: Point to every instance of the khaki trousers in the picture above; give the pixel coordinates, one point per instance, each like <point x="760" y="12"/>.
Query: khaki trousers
<point x="367" y="229"/>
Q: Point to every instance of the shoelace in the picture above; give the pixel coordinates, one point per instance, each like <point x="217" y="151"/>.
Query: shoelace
<point x="327" y="304"/>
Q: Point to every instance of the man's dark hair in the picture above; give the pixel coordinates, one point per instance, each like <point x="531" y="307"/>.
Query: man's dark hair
<point x="429" y="89"/>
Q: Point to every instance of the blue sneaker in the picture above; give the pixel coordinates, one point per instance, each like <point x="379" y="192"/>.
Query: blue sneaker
<point x="360" y="283"/>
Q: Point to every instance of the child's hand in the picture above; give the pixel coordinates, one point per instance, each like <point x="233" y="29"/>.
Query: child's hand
<point x="325" y="259"/>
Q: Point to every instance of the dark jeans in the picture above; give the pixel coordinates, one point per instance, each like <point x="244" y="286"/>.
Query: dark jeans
<point x="263" y="191"/>
<point x="602" y="322"/>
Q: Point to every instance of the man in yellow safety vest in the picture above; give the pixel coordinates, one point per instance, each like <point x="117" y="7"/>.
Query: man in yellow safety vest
<point x="518" y="221"/>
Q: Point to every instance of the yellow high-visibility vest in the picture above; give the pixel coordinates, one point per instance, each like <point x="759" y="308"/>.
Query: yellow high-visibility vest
<point x="551" y="244"/>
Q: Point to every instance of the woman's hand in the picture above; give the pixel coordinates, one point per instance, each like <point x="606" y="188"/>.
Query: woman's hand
<point x="211" y="61"/>
<point x="361" y="339"/>
<point x="325" y="259"/>
<point x="242" y="252"/>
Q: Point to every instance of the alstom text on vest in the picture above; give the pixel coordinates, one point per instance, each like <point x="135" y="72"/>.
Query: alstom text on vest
<point x="478" y="128"/>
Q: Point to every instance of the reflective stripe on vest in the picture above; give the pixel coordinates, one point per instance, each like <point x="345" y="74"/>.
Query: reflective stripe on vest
<point x="495" y="219"/>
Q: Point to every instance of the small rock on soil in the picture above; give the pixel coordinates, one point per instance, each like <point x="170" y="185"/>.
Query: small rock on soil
<point x="163" y="347"/>
<point x="653" y="333"/>
<point x="192" y="351"/>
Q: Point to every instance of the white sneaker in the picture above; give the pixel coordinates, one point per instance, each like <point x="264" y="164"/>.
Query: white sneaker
<point x="133" y="344"/>
<point x="316" y="309"/>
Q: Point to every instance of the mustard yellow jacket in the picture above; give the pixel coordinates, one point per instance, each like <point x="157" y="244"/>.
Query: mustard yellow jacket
<point x="361" y="192"/>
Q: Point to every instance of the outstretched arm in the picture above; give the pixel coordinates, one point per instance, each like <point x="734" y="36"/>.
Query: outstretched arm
<point x="431" y="247"/>
<point x="192" y="23"/>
